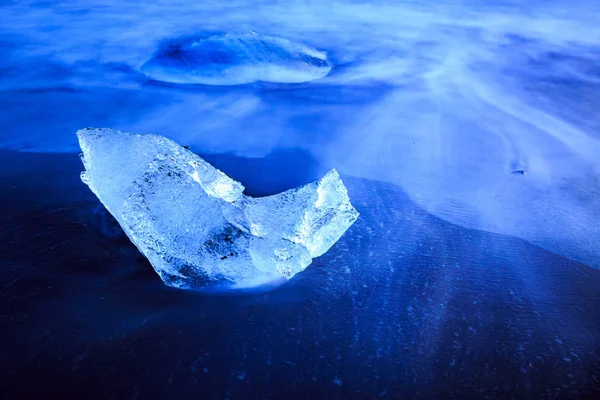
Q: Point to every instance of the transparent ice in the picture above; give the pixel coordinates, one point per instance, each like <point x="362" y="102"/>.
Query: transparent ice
<point x="194" y="223"/>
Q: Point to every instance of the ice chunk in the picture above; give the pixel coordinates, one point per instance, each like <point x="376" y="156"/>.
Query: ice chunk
<point x="194" y="223"/>
<point x="233" y="59"/>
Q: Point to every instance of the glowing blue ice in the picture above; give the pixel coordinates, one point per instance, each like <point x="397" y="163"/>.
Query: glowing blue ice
<point x="194" y="223"/>
<point x="233" y="59"/>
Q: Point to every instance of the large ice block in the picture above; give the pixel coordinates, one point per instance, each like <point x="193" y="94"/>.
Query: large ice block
<point x="194" y="223"/>
<point x="236" y="58"/>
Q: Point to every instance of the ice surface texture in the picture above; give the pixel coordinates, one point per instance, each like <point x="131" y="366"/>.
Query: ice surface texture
<point x="194" y="223"/>
<point x="233" y="59"/>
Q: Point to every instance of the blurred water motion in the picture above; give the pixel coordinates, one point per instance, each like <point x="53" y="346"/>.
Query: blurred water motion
<point x="470" y="131"/>
<point x="447" y="100"/>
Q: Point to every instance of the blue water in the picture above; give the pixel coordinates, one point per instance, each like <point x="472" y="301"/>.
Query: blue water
<point x="467" y="133"/>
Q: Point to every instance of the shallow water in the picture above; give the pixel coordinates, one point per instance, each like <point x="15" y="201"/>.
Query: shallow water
<point x="468" y="136"/>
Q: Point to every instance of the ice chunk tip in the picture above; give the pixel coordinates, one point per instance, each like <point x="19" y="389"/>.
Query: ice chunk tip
<point x="193" y="222"/>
